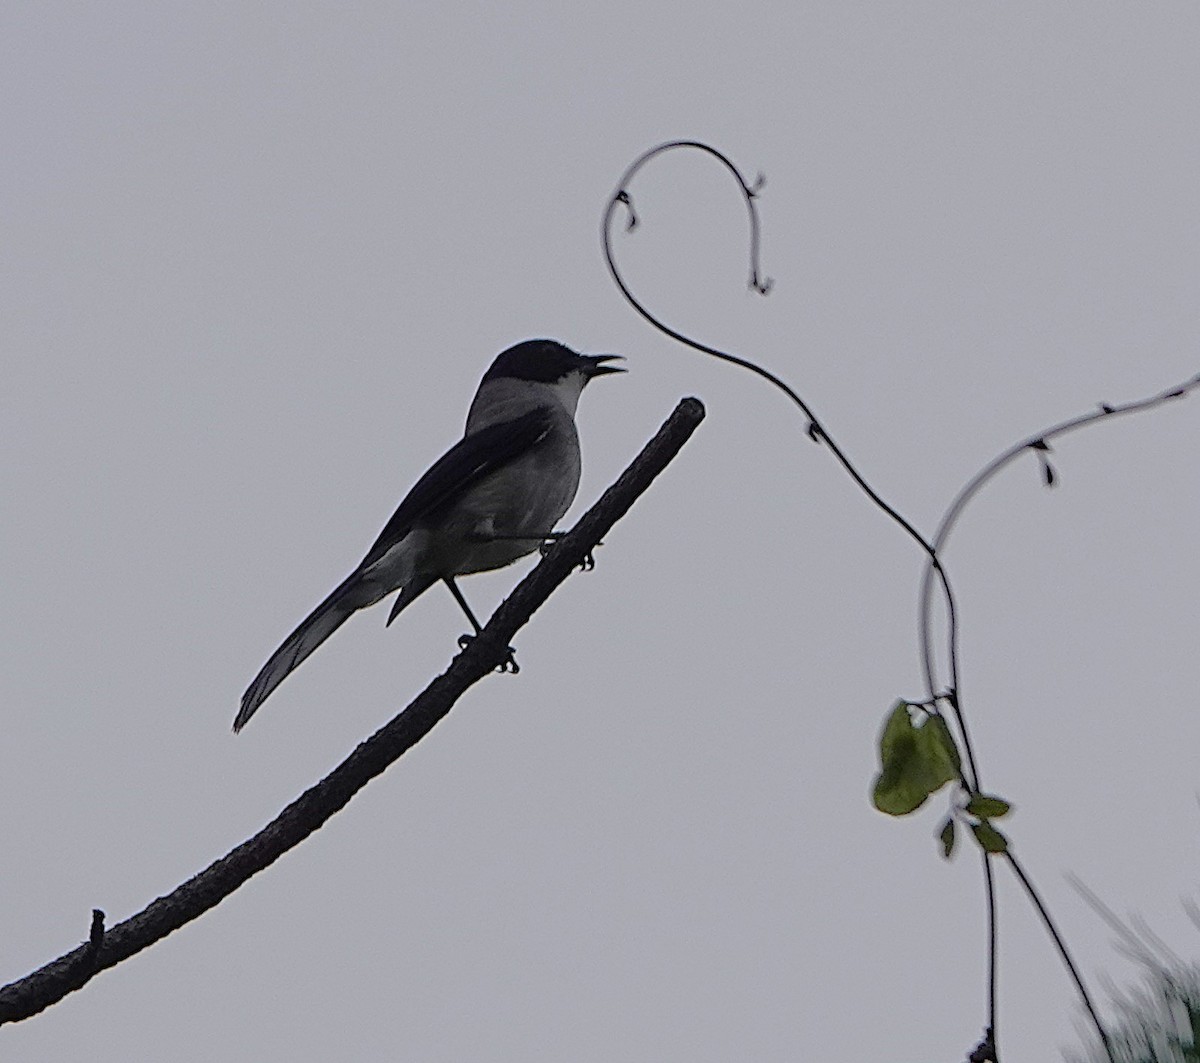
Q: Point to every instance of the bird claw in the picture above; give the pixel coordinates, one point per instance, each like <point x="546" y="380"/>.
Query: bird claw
<point x="509" y="664"/>
<point x="586" y="565"/>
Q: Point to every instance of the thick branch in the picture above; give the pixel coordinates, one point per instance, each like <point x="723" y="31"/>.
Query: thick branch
<point x="49" y="984"/>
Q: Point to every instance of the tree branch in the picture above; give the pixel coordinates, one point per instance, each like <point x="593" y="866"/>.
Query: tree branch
<point x="49" y="984"/>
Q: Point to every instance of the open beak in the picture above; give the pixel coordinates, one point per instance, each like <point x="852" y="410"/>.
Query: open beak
<point x="596" y="367"/>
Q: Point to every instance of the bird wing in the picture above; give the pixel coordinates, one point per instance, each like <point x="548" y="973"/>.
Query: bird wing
<point x="465" y="464"/>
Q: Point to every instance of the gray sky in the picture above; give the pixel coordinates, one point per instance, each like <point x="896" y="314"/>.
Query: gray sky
<point x="255" y="259"/>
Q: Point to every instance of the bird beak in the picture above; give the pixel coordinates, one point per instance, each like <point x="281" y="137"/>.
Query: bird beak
<point x="595" y="364"/>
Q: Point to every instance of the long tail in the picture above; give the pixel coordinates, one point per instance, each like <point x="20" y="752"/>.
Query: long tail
<point x="324" y="620"/>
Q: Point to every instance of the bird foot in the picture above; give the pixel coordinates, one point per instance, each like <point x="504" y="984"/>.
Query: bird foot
<point x="508" y="665"/>
<point x="586" y="565"/>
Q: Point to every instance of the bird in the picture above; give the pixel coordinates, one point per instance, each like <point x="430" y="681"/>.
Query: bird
<point x="492" y="498"/>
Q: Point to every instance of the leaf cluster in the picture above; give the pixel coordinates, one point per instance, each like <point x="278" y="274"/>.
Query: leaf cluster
<point x="918" y="755"/>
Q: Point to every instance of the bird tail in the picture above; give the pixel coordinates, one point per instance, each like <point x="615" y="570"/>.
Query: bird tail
<point x="322" y="622"/>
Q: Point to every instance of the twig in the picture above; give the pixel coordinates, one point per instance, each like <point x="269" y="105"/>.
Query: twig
<point x="1063" y="952"/>
<point x="817" y="432"/>
<point x="1038" y="444"/>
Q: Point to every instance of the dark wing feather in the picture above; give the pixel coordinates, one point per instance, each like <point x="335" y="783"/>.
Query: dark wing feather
<point x="466" y="463"/>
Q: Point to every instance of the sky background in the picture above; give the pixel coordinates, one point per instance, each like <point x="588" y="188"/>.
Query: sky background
<point x="255" y="258"/>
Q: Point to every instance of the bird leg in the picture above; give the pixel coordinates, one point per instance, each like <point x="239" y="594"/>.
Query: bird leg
<point x="510" y="663"/>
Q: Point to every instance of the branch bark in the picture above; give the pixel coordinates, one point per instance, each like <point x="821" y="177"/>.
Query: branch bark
<point x="49" y="984"/>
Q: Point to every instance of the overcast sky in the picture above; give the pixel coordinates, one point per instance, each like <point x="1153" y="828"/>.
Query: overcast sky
<point x="256" y="257"/>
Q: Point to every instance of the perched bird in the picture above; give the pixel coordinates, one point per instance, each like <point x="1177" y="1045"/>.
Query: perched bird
<point x="492" y="498"/>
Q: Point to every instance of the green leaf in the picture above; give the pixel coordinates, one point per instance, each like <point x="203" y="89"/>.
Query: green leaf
<point x="988" y="806"/>
<point x="942" y="743"/>
<point x="990" y="838"/>
<point x="914" y="761"/>
<point x="947" y="836"/>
